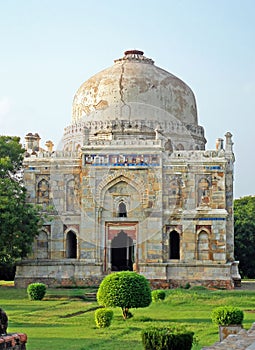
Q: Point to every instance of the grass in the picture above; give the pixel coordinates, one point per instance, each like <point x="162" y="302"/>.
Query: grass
<point x="64" y="319"/>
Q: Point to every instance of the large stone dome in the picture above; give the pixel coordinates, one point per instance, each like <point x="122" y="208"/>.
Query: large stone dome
<point x="134" y="89"/>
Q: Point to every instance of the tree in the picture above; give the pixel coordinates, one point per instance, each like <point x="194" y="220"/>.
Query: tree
<point x="244" y="223"/>
<point x="19" y="221"/>
<point x="124" y="289"/>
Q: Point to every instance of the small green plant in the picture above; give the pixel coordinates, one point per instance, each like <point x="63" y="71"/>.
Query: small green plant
<point x="124" y="289"/>
<point x="227" y="315"/>
<point x="158" y="295"/>
<point x="36" y="291"/>
<point x="103" y="317"/>
<point x="167" y="338"/>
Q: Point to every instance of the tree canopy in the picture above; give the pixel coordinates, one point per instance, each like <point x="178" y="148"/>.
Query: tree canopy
<point x="244" y="221"/>
<point x="124" y="289"/>
<point x="19" y="221"/>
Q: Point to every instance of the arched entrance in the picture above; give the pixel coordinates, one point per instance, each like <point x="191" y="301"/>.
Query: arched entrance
<point x="122" y="252"/>
<point x="174" y="244"/>
<point x="71" y="245"/>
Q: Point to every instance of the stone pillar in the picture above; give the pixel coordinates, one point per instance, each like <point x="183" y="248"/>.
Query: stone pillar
<point x="229" y="196"/>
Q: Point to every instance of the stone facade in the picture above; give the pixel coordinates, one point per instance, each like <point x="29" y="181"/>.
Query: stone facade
<point x="132" y="186"/>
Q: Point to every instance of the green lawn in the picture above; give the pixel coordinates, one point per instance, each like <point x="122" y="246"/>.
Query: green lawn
<point x="64" y="320"/>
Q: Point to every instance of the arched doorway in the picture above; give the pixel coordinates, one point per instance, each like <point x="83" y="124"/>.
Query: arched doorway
<point x="174" y="245"/>
<point x="71" y="245"/>
<point x="122" y="252"/>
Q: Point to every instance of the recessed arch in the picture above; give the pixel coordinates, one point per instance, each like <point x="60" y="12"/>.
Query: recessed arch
<point x="122" y="210"/>
<point x="203" y="245"/>
<point x="203" y="191"/>
<point x="42" y="245"/>
<point x="43" y="192"/>
<point x="71" y="245"/>
<point x="174" y="245"/>
<point x="112" y="180"/>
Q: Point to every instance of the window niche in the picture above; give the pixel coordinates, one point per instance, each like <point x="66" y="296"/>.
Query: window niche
<point x="203" y="245"/>
<point x="203" y="185"/>
<point x="72" y="196"/>
<point x="122" y="210"/>
<point x="42" y="245"/>
<point x="174" y="245"/>
<point x="175" y="192"/>
<point x="43" y="193"/>
<point x="71" y="245"/>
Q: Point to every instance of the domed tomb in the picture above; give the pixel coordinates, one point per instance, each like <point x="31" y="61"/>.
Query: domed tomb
<point x="134" y="89"/>
<point x="135" y="97"/>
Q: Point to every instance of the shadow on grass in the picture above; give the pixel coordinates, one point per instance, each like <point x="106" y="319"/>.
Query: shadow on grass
<point x="171" y="320"/>
<point x="82" y="344"/>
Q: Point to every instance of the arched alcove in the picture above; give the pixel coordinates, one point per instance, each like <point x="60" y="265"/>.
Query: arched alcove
<point x="203" y="191"/>
<point x="174" y="245"/>
<point x="43" y="192"/>
<point x="42" y="245"/>
<point x="122" y="212"/>
<point x="203" y="246"/>
<point x="71" y="245"/>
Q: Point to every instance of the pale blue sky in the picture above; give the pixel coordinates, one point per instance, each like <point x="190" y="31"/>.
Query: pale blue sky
<point x="49" y="47"/>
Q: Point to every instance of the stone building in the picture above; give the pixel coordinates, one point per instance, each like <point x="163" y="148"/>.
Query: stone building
<point x="131" y="187"/>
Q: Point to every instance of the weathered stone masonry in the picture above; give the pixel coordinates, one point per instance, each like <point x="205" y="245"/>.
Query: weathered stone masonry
<point x="132" y="186"/>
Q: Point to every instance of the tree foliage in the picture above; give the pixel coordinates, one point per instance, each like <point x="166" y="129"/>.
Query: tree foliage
<point x="19" y="221"/>
<point x="11" y="156"/>
<point x="244" y="221"/>
<point x="124" y="289"/>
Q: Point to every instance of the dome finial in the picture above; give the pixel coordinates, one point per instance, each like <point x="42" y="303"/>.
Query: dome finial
<point x="134" y="56"/>
<point x="133" y="52"/>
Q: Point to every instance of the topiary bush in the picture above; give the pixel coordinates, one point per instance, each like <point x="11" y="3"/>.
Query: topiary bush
<point x="158" y="295"/>
<point x="36" y="291"/>
<point x="103" y="317"/>
<point x="227" y="315"/>
<point x="125" y="289"/>
<point x="167" y="338"/>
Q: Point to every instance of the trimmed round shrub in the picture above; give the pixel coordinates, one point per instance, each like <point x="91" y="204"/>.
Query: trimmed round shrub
<point x="167" y="338"/>
<point x="36" y="291"/>
<point x="158" y="295"/>
<point x="103" y="317"/>
<point x="125" y="289"/>
<point x="227" y="315"/>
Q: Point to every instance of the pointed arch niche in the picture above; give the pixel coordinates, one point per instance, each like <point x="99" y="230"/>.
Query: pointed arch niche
<point x="71" y="245"/>
<point x="203" y="245"/>
<point x="43" y="193"/>
<point x="42" y="245"/>
<point x="172" y="238"/>
<point x="174" y="245"/>
<point x="121" y="200"/>
<point x="122" y="209"/>
<point x="132" y="183"/>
